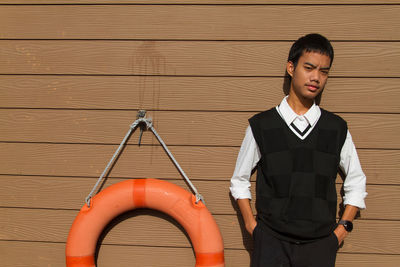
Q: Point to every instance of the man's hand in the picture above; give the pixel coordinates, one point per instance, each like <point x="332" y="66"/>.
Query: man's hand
<point x="349" y="214"/>
<point x="248" y="217"/>
<point x="250" y="226"/>
<point x="340" y="233"/>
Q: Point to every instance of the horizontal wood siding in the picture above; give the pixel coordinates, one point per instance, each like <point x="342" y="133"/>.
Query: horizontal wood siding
<point x="201" y="128"/>
<point x="73" y="74"/>
<point x="381" y="166"/>
<point x="128" y="256"/>
<point x="166" y="232"/>
<point x="237" y="22"/>
<point x="213" y="58"/>
<point x="208" y="2"/>
<point x="187" y="93"/>
<point x="44" y="191"/>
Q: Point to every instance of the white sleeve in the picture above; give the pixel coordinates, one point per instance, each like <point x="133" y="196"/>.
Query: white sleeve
<point x="248" y="157"/>
<point x="355" y="181"/>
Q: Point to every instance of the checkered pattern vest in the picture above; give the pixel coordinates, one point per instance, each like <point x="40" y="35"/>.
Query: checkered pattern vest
<point x="296" y="191"/>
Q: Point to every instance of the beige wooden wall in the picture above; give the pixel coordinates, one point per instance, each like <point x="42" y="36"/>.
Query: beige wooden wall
<point x="74" y="73"/>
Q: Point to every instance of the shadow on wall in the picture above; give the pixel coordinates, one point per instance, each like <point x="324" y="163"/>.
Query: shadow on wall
<point x="341" y="206"/>
<point x="246" y="237"/>
<point x="148" y="61"/>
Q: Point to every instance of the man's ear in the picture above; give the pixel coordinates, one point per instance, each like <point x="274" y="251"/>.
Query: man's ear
<point x="290" y="68"/>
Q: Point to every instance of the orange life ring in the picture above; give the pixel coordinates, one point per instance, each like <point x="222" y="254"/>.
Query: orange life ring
<point x="145" y="193"/>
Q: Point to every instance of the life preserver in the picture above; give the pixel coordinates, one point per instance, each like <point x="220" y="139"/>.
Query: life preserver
<point x="145" y="193"/>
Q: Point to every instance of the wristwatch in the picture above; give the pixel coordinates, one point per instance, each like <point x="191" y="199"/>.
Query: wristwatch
<point x="348" y="225"/>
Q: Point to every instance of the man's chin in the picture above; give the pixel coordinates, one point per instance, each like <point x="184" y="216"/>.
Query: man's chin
<point x="312" y="94"/>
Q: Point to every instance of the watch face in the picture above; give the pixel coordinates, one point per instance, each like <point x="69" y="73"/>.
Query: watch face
<point x="348" y="225"/>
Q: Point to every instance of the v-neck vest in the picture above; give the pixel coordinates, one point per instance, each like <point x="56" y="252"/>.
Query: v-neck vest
<point x="296" y="192"/>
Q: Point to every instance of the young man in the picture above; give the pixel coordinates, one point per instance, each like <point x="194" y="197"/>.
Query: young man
<point x="298" y="148"/>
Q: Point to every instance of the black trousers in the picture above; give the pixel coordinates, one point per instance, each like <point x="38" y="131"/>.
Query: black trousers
<point x="272" y="252"/>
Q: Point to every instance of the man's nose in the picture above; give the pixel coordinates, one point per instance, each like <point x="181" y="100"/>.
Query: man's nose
<point x="315" y="76"/>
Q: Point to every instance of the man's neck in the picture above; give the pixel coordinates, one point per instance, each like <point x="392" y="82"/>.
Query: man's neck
<point x="299" y="105"/>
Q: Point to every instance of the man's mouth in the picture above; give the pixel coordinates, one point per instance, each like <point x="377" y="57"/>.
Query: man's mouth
<point x="312" y="87"/>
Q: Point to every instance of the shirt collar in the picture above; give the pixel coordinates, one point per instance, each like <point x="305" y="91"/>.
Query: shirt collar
<point x="288" y="115"/>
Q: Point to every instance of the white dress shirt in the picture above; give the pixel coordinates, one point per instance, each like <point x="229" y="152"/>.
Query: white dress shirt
<point x="249" y="155"/>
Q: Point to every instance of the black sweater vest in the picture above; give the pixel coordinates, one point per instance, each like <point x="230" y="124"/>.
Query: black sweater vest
<point x="296" y="192"/>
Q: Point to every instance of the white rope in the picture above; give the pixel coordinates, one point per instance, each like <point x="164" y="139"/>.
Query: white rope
<point x="149" y="125"/>
<point x="198" y="196"/>
<point x="133" y="126"/>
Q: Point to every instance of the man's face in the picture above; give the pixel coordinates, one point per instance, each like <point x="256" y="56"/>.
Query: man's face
<point x="310" y="75"/>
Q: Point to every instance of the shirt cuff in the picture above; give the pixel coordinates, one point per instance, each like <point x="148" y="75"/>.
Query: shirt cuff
<point x="240" y="192"/>
<point x="355" y="199"/>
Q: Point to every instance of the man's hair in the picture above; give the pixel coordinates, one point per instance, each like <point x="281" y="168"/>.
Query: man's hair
<point x="313" y="42"/>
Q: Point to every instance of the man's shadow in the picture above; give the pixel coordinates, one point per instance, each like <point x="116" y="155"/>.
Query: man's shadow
<point x="341" y="206"/>
<point x="247" y="239"/>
